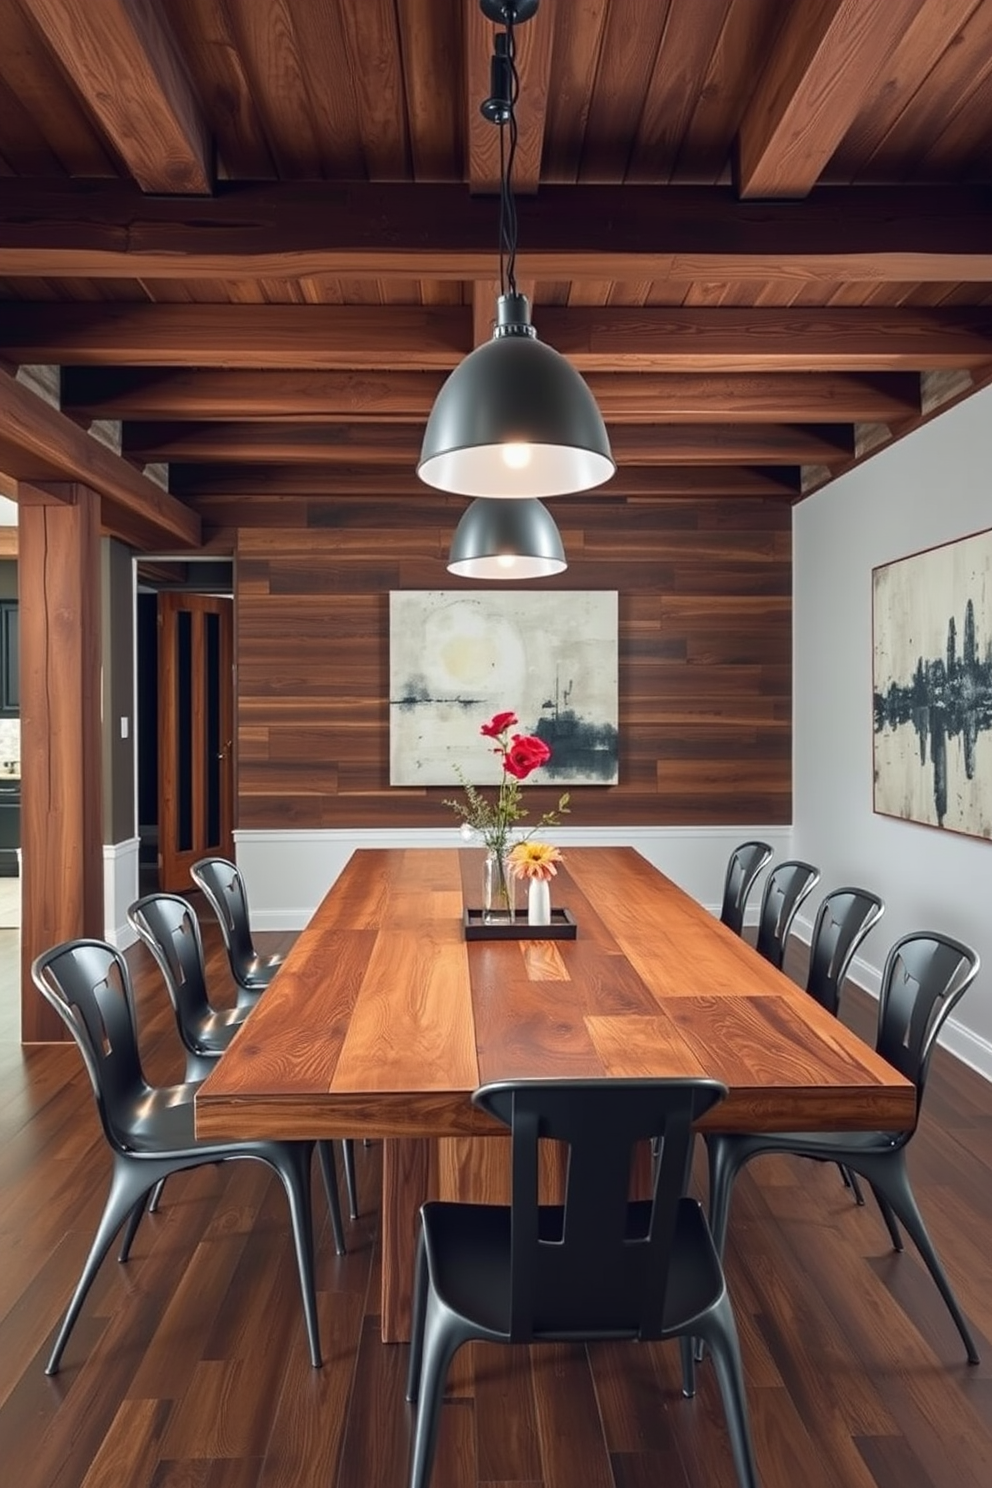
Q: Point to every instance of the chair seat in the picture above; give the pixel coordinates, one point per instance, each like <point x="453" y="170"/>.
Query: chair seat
<point x="468" y="1253"/>
<point x="213" y="1034"/>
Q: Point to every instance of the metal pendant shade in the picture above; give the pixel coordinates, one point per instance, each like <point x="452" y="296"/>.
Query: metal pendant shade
<point x="515" y="419"/>
<point x="506" y="540"/>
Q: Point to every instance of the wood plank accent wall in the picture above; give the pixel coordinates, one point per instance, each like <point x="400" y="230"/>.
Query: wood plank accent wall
<point x="705" y="661"/>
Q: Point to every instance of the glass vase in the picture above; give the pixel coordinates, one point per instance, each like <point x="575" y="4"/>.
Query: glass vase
<point x="499" y="889"/>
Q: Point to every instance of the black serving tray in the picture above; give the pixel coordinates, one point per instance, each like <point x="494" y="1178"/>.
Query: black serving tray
<point x="562" y="927"/>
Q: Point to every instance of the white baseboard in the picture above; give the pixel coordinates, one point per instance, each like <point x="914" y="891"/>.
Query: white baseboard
<point x="120" y="889"/>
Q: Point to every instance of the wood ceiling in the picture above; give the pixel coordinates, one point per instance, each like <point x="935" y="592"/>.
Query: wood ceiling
<point x="259" y="233"/>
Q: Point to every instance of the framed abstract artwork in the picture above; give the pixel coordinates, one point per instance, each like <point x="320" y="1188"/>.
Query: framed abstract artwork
<point x="932" y="683"/>
<point x="458" y="657"/>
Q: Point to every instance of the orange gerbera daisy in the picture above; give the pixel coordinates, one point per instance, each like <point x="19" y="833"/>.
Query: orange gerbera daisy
<point x="534" y="860"/>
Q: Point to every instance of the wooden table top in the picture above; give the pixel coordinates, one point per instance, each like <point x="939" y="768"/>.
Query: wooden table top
<point x="383" y="1019"/>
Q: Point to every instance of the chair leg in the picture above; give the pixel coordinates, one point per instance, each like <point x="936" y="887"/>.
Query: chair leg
<point x="890" y="1183"/>
<point x="348" y="1154"/>
<point x="128" y="1187"/>
<point x="891" y="1223"/>
<point x="443" y="1336"/>
<point x="291" y="1161"/>
<point x="329" y="1168"/>
<point x="417" y="1322"/>
<point x="851" y="1182"/>
<point x="153" y="1202"/>
<point x="721" y="1336"/>
<point x="131" y="1228"/>
<point x="691" y="1350"/>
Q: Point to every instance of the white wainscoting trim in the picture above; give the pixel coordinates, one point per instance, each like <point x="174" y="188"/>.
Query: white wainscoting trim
<point x="288" y="872"/>
<point x="120" y="889"/>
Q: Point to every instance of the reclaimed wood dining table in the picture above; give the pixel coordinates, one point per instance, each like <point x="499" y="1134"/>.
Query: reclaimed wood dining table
<point x="384" y="1018"/>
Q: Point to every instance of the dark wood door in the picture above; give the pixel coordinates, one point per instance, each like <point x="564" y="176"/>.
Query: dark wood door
<point x="195" y="733"/>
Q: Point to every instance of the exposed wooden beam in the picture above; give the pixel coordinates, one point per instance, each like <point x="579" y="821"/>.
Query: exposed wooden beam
<point x="817" y="78"/>
<point x="126" y="65"/>
<point x="327" y="336"/>
<point x="399" y="444"/>
<point x="682" y="234"/>
<point x="633" y="397"/>
<point x="200" y="481"/>
<point x="38" y="443"/>
<point x="596" y="338"/>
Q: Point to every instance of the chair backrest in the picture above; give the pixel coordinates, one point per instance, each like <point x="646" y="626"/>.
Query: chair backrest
<point x="743" y="867"/>
<point x="925" y="976"/>
<point x="785" y="889"/>
<point x="576" y="1268"/>
<point x="224" y="888"/>
<point x="169" y="928"/>
<point x="88" y="985"/>
<point x="842" y="923"/>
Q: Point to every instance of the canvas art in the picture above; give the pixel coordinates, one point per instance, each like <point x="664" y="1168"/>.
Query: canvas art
<point x="932" y="642"/>
<point x="456" y="658"/>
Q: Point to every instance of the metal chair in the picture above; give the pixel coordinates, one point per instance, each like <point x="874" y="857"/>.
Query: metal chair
<point x="786" y="886"/>
<point x="924" y="978"/>
<point x="169" y="928"/>
<point x="224" y="889"/>
<point x="149" y="1129"/>
<point x="843" y="920"/>
<point x="743" y="867"/>
<point x="599" y="1266"/>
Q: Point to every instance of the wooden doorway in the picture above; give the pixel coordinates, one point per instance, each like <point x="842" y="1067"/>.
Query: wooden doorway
<point x="195" y="733"/>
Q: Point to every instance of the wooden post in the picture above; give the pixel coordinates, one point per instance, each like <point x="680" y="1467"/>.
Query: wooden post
<point x="61" y="826"/>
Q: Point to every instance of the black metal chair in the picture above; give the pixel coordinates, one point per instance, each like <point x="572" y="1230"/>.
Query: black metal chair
<point x="924" y="978"/>
<point x="599" y="1266"/>
<point x="786" y="886"/>
<point x="223" y="887"/>
<point x="168" y="926"/>
<point x="743" y="867"/>
<point x="842" y="923"/>
<point x="149" y="1129"/>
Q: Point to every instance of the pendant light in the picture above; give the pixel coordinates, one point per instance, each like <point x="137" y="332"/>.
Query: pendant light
<point x="514" y="419"/>
<point x="507" y="540"/>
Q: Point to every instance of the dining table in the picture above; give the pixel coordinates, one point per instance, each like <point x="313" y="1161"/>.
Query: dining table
<point x="388" y="1012"/>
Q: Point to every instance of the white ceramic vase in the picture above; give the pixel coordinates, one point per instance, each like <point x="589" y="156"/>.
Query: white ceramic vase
<point x="539" y="902"/>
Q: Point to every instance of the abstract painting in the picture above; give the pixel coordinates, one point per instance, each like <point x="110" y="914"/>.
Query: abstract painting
<point x="932" y="644"/>
<point x="458" y="657"/>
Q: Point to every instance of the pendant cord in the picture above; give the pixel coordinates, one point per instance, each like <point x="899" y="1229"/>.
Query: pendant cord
<point x="507" y="205"/>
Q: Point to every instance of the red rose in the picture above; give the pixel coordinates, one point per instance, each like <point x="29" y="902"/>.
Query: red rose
<point x="498" y="725"/>
<point x="525" y="754"/>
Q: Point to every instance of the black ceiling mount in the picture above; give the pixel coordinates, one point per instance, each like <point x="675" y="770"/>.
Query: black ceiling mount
<point x="502" y="11"/>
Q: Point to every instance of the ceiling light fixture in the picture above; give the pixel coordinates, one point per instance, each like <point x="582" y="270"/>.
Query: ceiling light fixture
<point x="507" y="540"/>
<point x="514" y="419"/>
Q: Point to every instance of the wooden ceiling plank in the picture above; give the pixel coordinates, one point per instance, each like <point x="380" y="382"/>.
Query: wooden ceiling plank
<point x="822" y="67"/>
<point x="691" y="34"/>
<point x="125" y="62"/>
<point x="375" y="67"/>
<point x="633" y="397"/>
<point x="369" y="231"/>
<point x="432" y="51"/>
<point x="607" y="338"/>
<point x="40" y="443"/>
<point x="533" y="43"/>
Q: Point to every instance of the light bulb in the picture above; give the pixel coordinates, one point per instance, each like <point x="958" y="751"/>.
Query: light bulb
<point x="516" y="455"/>
<point x="506" y="560"/>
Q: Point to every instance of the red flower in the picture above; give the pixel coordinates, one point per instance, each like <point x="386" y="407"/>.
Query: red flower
<point x="525" y="754"/>
<point x="498" y="725"/>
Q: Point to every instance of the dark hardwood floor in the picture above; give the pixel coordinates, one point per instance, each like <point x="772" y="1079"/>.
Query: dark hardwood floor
<point x="188" y="1368"/>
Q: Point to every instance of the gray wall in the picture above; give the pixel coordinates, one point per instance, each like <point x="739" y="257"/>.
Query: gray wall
<point x="118" y="691"/>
